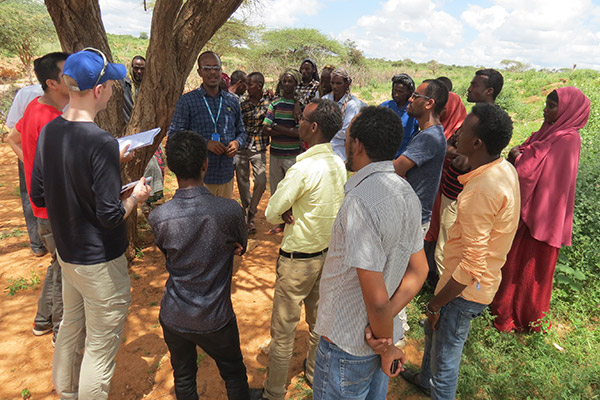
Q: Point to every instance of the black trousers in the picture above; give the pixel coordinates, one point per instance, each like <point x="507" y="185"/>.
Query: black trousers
<point x="222" y="345"/>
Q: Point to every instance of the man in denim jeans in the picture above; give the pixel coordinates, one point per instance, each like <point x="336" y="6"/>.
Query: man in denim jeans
<point x="23" y="140"/>
<point x="478" y="242"/>
<point x="376" y="250"/>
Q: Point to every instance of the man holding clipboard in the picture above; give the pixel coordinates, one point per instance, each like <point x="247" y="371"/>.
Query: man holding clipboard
<point x="216" y="115"/>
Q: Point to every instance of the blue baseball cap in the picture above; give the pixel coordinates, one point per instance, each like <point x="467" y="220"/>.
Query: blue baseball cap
<point x="89" y="67"/>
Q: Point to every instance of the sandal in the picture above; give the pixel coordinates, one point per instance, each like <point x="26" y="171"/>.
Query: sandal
<point x="412" y="376"/>
<point x="275" y="230"/>
<point x="251" y="228"/>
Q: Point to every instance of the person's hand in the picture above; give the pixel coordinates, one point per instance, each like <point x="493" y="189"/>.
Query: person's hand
<point x="141" y="191"/>
<point x="433" y="315"/>
<point x="125" y="157"/>
<point x="288" y="217"/>
<point x="379" y="346"/>
<point x="513" y="154"/>
<point x="388" y="358"/>
<point x="238" y="249"/>
<point x="216" y="147"/>
<point x="232" y="148"/>
<point x="461" y="163"/>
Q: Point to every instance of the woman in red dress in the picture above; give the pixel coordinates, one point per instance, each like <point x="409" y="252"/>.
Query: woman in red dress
<point x="547" y="165"/>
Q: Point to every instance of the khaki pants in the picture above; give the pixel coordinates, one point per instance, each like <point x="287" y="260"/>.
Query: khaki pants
<point x="297" y="282"/>
<point x="277" y="169"/>
<point x="447" y="219"/>
<point x="96" y="300"/>
<point x="221" y="189"/>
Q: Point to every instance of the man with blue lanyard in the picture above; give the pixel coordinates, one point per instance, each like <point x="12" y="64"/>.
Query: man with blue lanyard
<point x="216" y="115"/>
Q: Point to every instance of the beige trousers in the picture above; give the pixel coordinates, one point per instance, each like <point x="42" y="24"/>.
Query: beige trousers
<point x="447" y="219"/>
<point x="221" y="189"/>
<point x="96" y="300"/>
<point x="297" y="282"/>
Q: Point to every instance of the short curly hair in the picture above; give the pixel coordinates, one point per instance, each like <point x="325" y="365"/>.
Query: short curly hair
<point x="379" y="129"/>
<point x="186" y="152"/>
<point x="494" y="127"/>
<point x="328" y="116"/>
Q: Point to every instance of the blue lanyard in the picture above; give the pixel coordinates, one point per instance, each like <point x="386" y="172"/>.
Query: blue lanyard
<point x="210" y="111"/>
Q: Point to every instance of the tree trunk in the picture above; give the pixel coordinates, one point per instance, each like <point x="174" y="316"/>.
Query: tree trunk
<point x="178" y="33"/>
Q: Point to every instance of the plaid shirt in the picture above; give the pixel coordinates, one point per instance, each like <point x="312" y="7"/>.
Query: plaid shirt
<point x="253" y="116"/>
<point x="305" y="93"/>
<point x="191" y="114"/>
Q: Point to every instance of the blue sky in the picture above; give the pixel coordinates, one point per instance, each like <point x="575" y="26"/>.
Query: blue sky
<point x="542" y="33"/>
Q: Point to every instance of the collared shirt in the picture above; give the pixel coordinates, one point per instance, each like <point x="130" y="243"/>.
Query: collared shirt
<point x="377" y="228"/>
<point x="191" y="114"/>
<point x="253" y="116"/>
<point x="486" y="222"/>
<point x="352" y="108"/>
<point x="410" y="124"/>
<point x="314" y="189"/>
<point x="197" y="233"/>
<point x="305" y="93"/>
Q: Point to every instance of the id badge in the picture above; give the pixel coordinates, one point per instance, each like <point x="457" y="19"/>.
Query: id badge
<point x="216" y="137"/>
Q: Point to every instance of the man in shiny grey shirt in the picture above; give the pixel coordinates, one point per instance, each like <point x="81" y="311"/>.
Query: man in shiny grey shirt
<point x="199" y="234"/>
<point x="374" y="267"/>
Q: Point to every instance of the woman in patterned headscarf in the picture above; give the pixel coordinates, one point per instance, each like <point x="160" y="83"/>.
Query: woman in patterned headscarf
<point x="349" y="104"/>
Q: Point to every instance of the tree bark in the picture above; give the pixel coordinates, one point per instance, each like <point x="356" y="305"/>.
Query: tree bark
<point x="178" y="33"/>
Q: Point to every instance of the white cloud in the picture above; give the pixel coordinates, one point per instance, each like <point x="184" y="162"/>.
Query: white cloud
<point x="484" y="19"/>
<point x="125" y="16"/>
<point x="280" y="13"/>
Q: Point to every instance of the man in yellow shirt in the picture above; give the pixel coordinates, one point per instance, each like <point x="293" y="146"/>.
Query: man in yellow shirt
<point x="307" y="200"/>
<point x="478" y="242"/>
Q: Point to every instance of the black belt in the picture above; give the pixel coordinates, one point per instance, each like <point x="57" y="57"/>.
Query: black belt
<point x="296" y="254"/>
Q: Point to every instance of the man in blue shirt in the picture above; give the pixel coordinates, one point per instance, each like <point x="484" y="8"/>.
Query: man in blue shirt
<point x="402" y="88"/>
<point x="199" y="235"/>
<point x="216" y="115"/>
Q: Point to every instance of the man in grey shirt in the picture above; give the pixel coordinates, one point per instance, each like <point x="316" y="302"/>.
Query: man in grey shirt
<point x="376" y="249"/>
<point x="421" y="163"/>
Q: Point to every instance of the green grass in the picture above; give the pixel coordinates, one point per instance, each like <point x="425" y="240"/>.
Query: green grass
<point x="16" y="285"/>
<point x="16" y="232"/>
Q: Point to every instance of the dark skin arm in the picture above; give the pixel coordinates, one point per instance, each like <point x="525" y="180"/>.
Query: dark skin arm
<point x="280" y="130"/>
<point x="448" y="293"/>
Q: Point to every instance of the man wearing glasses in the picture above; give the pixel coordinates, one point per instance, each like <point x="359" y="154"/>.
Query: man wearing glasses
<point x="421" y="162"/>
<point x="76" y="176"/>
<point x="307" y="200"/>
<point x="216" y="115"/>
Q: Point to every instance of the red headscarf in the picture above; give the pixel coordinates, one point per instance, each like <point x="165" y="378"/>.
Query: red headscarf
<point x="455" y="115"/>
<point x="547" y="169"/>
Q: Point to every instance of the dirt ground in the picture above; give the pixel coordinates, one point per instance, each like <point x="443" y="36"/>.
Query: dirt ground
<point x="143" y="368"/>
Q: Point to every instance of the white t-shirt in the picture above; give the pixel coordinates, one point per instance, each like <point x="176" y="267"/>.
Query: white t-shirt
<point x="20" y="103"/>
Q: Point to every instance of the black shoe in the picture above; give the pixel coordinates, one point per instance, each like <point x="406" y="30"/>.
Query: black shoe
<point x="412" y="376"/>
<point x="39" y="330"/>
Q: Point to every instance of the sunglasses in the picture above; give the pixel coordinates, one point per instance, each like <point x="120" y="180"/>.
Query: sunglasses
<point x="104" y="60"/>
<point x="417" y="95"/>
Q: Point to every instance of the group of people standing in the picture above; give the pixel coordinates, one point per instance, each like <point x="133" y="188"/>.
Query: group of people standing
<point x="429" y="180"/>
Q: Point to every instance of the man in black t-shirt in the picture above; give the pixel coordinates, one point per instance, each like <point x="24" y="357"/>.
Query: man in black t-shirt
<point x="76" y="176"/>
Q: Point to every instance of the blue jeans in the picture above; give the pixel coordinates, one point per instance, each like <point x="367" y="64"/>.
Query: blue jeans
<point x="339" y="375"/>
<point x="444" y="346"/>
<point x="30" y="220"/>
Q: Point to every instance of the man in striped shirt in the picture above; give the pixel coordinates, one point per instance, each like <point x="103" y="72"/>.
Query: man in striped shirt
<point x="281" y="125"/>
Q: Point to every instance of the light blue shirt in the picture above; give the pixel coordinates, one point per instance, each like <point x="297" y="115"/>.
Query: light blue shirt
<point x="352" y="108"/>
<point x="409" y="124"/>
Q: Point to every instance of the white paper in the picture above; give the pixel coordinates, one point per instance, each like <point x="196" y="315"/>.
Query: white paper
<point x="138" y="140"/>
<point x="128" y="186"/>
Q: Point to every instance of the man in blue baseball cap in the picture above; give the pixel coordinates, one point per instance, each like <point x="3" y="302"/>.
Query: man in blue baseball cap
<point x="76" y="176"/>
